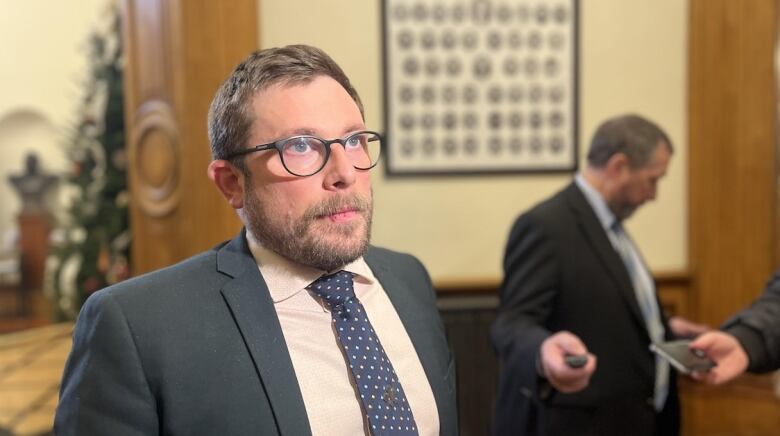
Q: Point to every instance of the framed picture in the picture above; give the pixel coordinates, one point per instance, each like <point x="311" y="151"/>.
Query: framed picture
<point x="480" y="86"/>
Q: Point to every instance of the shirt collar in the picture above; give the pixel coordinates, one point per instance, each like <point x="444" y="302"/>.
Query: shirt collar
<point x="286" y="278"/>
<point x="597" y="202"/>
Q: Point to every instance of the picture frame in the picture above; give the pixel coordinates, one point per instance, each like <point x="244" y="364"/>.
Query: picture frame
<point x="480" y="86"/>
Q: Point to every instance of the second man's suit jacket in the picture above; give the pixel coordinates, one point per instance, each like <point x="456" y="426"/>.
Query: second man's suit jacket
<point x="562" y="273"/>
<point x="758" y="328"/>
<point x="197" y="349"/>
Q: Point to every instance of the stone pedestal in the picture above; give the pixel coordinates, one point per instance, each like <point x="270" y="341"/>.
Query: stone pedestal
<point x="34" y="228"/>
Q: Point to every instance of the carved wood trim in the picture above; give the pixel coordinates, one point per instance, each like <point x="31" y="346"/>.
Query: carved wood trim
<point x="156" y="158"/>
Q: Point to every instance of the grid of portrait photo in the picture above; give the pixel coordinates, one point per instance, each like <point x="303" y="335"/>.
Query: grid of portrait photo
<point x="480" y="86"/>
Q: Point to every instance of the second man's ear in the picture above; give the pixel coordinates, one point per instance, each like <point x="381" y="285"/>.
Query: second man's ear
<point x="229" y="180"/>
<point x="618" y="163"/>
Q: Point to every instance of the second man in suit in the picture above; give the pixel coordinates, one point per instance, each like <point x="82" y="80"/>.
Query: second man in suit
<point x="575" y="284"/>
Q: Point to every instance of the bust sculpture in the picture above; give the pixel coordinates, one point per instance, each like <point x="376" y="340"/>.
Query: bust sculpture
<point x="32" y="186"/>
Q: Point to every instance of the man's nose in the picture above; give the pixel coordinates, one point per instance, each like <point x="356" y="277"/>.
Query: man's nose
<point x="340" y="169"/>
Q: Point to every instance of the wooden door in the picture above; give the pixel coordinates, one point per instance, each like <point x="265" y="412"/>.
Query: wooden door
<point x="177" y="52"/>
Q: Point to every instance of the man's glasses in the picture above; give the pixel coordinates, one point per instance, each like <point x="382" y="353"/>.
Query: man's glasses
<point x="306" y="155"/>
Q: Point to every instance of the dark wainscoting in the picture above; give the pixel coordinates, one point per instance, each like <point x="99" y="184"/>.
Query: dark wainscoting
<point x="467" y="317"/>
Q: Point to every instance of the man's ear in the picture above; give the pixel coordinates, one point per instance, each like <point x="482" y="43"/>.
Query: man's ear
<point x="618" y="165"/>
<point x="229" y="180"/>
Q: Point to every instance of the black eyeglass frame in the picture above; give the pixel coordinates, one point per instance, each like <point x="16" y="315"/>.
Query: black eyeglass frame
<point x="279" y="146"/>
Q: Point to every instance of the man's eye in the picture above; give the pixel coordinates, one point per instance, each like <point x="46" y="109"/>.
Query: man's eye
<point x="354" y="142"/>
<point x="298" y="145"/>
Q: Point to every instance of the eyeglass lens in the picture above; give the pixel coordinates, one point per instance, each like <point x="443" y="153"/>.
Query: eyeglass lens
<point x="305" y="155"/>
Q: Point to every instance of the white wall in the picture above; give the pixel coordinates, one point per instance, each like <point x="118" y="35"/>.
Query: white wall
<point x="43" y="48"/>
<point x="632" y="58"/>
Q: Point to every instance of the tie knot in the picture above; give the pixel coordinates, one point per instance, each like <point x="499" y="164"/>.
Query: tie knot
<point x="334" y="289"/>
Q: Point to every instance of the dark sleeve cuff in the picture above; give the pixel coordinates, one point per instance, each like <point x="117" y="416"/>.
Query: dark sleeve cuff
<point x="753" y="343"/>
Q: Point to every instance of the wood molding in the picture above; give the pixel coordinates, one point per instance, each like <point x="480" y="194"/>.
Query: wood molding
<point x="674" y="291"/>
<point x="156" y="160"/>
<point x="666" y="281"/>
<point x="467" y="285"/>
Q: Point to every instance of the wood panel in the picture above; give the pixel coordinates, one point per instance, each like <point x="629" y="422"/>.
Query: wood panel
<point x="177" y="53"/>
<point x="744" y="407"/>
<point x="467" y="320"/>
<point x="732" y="157"/>
<point x="733" y="204"/>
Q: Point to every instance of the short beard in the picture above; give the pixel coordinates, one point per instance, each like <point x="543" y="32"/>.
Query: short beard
<point x="297" y="240"/>
<point x="624" y="213"/>
<point x="621" y="209"/>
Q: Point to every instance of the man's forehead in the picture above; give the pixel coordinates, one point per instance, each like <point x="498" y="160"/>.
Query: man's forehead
<point x="310" y="131"/>
<point x="319" y="107"/>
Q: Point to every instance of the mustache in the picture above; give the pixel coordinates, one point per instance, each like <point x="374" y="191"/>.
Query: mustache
<point x="329" y="206"/>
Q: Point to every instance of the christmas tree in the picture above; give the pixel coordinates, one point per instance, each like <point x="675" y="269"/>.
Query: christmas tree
<point x="92" y="242"/>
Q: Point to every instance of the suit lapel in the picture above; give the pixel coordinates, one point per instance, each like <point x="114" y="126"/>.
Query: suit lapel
<point x="599" y="241"/>
<point x="250" y="302"/>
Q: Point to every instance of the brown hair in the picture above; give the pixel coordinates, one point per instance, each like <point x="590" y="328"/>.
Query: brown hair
<point x="231" y="115"/>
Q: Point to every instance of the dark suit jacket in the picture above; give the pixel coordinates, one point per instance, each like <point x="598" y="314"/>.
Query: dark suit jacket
<point x="561" y="273"/>
<point x="758" y="328"/>
<point x="197" y="349"/>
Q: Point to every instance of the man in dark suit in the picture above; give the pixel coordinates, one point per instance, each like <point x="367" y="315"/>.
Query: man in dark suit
<point x="575" y="284"/>
<point x="749" y="341"/>
<point x="297" y="326"/>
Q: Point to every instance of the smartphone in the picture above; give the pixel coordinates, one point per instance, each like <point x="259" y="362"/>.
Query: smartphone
<point x="682" y="357"/>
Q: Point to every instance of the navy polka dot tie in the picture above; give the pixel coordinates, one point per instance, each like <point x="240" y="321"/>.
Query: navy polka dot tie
<point x="383" y="398"/>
